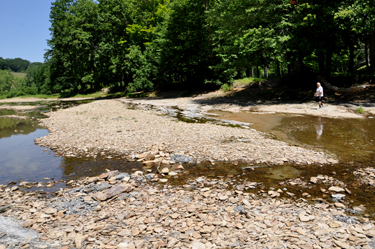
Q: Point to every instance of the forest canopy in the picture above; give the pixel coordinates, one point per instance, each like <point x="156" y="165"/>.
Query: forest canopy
<point x="134" y="45"/>
<point x="17" y="65"/>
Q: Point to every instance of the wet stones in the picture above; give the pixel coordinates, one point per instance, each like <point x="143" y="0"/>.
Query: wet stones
<point x="181" y="158"/>
<point x="366" y="176"/>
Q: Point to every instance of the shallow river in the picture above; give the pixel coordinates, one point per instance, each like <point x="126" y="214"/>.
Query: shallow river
<point x="22" y="160"/>
<point x="351" y="140"/>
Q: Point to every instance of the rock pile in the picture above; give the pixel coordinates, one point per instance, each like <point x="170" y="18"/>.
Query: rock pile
<point x="118" y="210"/>
<point x="366" y="176"/>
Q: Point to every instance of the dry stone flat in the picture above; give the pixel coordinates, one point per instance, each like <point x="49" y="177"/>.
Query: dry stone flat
<point x="145" y="214"/>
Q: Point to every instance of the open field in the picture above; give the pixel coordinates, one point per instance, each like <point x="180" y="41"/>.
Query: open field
<point x="19" y="75"/>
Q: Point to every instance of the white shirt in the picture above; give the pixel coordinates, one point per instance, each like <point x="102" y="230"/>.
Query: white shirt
<point x="318" y="90"/>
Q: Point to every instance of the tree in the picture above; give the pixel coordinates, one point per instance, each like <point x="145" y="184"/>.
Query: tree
<point x="185" y="47"/>
<point x="15" y="65"/>
<point x="359" y="17"/>
<point x="249" y="33"/>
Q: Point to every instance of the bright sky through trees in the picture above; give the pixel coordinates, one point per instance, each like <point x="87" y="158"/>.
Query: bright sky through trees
<point x="24" y="29"/>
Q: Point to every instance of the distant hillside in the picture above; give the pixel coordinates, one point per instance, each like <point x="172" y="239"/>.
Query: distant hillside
<point x="15" y="65"/>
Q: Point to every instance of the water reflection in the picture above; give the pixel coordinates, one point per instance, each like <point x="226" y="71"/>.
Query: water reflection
<point x="349" y="139"/>
<point x="319" y="128"/>
<point x="12" y="126"/>
<point x="22" y="159"/>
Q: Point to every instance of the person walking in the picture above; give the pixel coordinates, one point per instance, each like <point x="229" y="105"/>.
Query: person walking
<point x="319" y="94"/>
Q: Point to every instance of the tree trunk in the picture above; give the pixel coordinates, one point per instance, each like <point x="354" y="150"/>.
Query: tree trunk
<point x="328" y="62"/>
<point x="257" y="71"/>
<point x="289" y="64"/>
<point x="242" y="73"/>
<point x="277" y="68"/>
<point x="366" y="54"/>
<point x="266" y="71"/>
<point x="325" y="83"/>
<point x="351" y="57"/>
<point x="372" y="51"/>
<point x="252" y="72"/>
<point x="321" y="62"/>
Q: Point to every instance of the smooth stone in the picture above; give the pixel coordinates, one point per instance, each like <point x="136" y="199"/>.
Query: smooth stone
<point x="336" y="189"/>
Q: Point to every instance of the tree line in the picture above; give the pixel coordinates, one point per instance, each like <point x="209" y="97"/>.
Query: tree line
<point x="137" y="45"/>
<point x="20" y="77"/>
<point x="17" y="65"/>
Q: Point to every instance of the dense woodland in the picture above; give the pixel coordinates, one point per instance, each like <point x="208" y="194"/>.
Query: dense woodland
<point x="133" y="45"/>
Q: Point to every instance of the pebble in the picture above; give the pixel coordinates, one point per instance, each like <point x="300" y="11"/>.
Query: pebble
<point x="82" y="135"/>
<point x="153" y="216"/>
<point x="336" y="189"/>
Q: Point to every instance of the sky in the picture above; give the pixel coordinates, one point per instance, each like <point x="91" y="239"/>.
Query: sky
<point x="24" y="29"/>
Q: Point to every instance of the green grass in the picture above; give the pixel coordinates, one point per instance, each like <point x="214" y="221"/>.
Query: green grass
<point x="360" y="110"/>
<point x="247" y="81"/>
<point x="227" y="87"/>
<point x="90" y="95"/>
<point x="41" y="96"/>
<point x="58" y="95"/>
<point x="19" y="75"/>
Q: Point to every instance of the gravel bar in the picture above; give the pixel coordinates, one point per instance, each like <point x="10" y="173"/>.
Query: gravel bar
<point x="110" y="126"/>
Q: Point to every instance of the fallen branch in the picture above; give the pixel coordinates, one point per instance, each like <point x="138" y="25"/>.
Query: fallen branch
<point x="342" y="90"/>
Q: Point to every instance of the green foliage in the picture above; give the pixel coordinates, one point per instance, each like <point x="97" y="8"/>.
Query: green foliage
<point x="184" y="43"/>
<point x="142" y="69"/>
<point x="360" y="110"/>
<point x="253" y="82"/>
<point x="15" y="65"/>
<point x="227" y="87"/>
<point x="7" y="80"/>
<point x="132" y="45"/>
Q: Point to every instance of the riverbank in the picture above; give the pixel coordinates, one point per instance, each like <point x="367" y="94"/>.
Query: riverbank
<point x="116" y="210"/>
<point x="145" y="211"/>
<point x="115" y="127"/>
<point x="229" y="101"/>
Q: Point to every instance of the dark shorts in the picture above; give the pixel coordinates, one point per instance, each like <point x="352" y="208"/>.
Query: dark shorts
<point x="319" y="99"/>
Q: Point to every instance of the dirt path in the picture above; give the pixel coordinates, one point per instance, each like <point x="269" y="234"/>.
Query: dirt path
<point x="218" y="100"/>
<point x="205" y="103"/>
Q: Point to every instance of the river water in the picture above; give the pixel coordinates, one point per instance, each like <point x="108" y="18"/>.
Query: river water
<point x="351" y="140"/>
<point x="22" y="160"/>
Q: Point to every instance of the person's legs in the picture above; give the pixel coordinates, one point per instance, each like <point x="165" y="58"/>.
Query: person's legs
<point x="319" y="99"/>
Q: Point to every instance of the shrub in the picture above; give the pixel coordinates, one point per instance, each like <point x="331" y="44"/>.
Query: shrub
<point x="227" y="87"/>
<point x="360" y="110"/>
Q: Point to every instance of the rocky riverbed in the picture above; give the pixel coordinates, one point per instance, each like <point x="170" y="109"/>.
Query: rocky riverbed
<point x="144" y="209"/>
<point x="118" y="210"/>
<point x="112" y="126"/>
